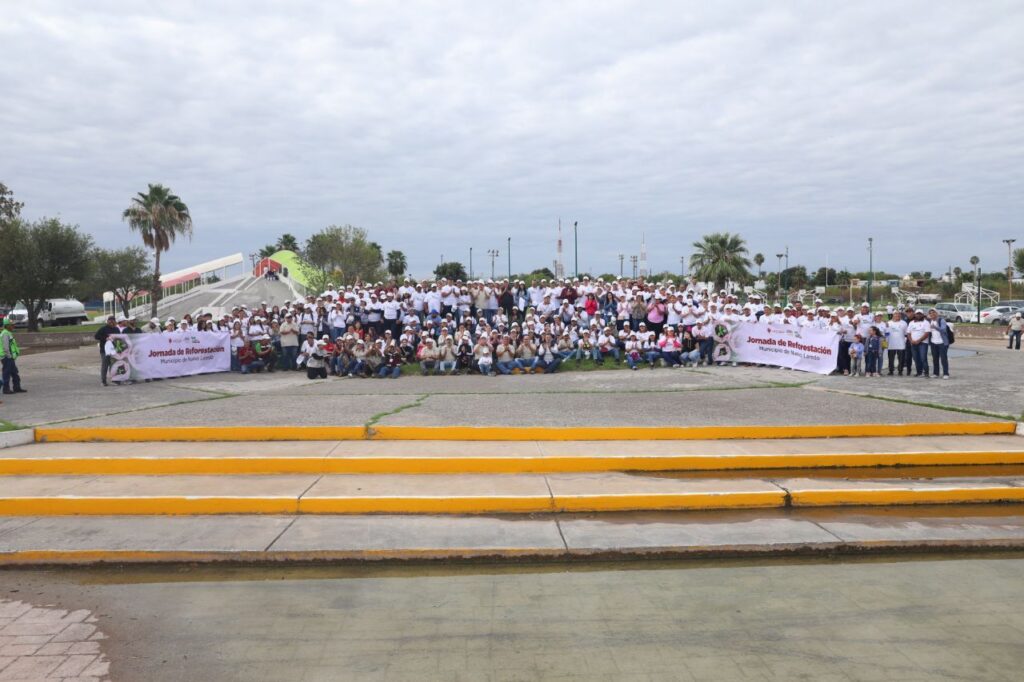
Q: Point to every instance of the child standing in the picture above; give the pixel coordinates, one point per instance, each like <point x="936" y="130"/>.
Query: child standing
<point x="873" y="352"/>
<point x="856" y="355"/>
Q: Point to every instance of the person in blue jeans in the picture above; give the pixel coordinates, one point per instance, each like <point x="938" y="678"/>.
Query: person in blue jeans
<point x="873" y="352"/>
<point x="939" y="343"/>
<point x="856" y="353"/>
<point x="919" y="331"/>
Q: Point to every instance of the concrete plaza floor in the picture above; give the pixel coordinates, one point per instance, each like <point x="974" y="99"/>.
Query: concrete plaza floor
<point x="942" y="618"/>
<point x="64" y="386"/>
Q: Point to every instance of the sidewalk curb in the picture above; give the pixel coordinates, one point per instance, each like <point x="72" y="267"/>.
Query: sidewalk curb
<point x="9" y="439"/>
<point x="37" y="558"/>
<point x="514" y="433"/>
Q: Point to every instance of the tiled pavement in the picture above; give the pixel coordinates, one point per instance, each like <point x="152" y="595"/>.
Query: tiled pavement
<point x="39" y="643"/>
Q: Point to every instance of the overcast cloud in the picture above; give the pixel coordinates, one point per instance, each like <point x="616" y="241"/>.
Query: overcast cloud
<point x="443" y="125"/>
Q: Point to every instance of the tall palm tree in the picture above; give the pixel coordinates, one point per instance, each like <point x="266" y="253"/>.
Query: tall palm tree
<point x="719" y="257"/>
<point x="287" y="242"/>
<point x="759" y="261"/>
<point x="159" y="216"/>
<point x="396" y="263"/>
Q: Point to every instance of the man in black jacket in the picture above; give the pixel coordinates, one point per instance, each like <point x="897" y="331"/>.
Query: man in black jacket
<point x="101" y="335"/>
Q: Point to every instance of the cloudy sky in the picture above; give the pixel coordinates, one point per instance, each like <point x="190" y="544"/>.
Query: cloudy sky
<point x="439" y="126"/>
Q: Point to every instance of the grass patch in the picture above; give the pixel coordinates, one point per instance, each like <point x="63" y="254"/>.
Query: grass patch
<point x="217" y="396"/>
<point x="936" y="406"/>
<point x="8" y="426"/>
<point x="401" y="408"/>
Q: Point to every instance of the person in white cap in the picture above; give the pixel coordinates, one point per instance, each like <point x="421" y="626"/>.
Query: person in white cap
<point x="1014" y="328"/>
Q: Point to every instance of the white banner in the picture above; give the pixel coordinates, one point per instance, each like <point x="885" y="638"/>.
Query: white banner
<point x="785" y="345"/>
<point x="170" y="354"/>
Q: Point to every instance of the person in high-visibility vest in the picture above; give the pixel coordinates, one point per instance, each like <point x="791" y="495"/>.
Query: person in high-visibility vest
<point x="9" y="353"/>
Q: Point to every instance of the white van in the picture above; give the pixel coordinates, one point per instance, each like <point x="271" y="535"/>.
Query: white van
<point x="55" y="311"/>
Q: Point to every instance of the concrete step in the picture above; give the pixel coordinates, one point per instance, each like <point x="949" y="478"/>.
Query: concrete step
<point x="40" y="540"/>
<point x="470" y="494"/>
<point x="516" y="457"/>
<point x="517" y="433"/>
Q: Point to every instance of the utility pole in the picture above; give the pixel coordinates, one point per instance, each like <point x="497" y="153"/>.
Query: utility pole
<point x="977" y="288"/>
<point x="509" y="253"/>
<point x="871" y="267"/>
<point x="471" y="263"/>
<point x="493" y="253"/>
<point x="778" y="277"/>
<point x="622" y="258"/>
<point x="633" y="260"/>
<point x="787" y="261"/>
<point x="576" y="246"/>
<point x="682" y="269"/>
<point x="1009" y="267"/>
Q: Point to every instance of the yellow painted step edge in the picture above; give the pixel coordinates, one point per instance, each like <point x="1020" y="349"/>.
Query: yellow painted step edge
<point x="501" y="433"/>
<point x="115" y="506"/>
<point x="885" y="497"/>
<point x="487" y="465"/>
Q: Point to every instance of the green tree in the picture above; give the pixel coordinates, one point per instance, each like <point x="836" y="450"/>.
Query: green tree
<point x="41" y="260"/>
<point x="824" y="277"/>
<point x="720" y="257"/>
<point x="287" y="242"/>
<point x="123" y="272"/>
<point x="342" y="255"/>
<point x="451" y="271"/>
<point x="396" y="264"/>
<point x="794" y="277"/>
<point x="843" y="278"/>
<point x="759" y="261"/>
<point x="9" y="208"/>
<point x="380" y="253"/>
<point x="268" y="251"/>
<point x="1018" y="260"/>
<point x="160" y="217"/>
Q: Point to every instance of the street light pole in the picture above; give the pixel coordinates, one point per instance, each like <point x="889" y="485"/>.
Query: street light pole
<point x="633" y="259"/>
<point x="622" y="258"/>
<point x="509" y="253"/>
<point x="778" y="277"/>
<point x="1009" y="267"/>
<point x="977" y="288"/>
<point x="871" y="267"/>
<point x="471" y="263"/>
<point x="493" y="253"/>
<point x="682" y="269"/>
<point x="576" y="246"/>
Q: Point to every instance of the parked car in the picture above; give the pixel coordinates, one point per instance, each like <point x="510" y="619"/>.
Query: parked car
<point x="956" y="312"/>
<point x="994" y="314"/>
<point x="1005" y="317"/>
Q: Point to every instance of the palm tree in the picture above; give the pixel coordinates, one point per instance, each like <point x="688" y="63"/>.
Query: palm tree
<point x="759" y="261"/>
<point x="396" y="263"/>
<point x="268" y="251"/>
<point x="159" y="216"/>
<point x="719" y="257"/>
<point x="287" y="242"/>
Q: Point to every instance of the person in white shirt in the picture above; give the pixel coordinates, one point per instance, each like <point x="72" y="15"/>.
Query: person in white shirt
<point x="918" y="333"/>
<point x="896" y="340"/>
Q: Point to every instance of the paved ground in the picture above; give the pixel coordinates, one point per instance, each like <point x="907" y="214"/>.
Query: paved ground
<point x="939" y="619"/>
<point x="65" y="386"/>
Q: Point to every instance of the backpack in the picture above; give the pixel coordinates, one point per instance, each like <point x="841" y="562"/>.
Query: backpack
<point x="950" y="335"/>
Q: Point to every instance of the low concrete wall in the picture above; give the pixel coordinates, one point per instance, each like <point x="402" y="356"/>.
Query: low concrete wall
<point x="38" y="341"/>
<point x="979" y="331"/>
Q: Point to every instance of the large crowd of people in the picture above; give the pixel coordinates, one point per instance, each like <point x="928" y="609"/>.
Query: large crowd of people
<point x="509" y="327"/>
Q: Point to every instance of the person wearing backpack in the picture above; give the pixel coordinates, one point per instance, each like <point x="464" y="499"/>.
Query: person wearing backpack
<point x="941" y="338"/>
